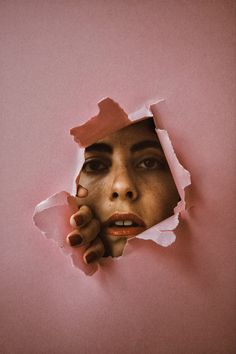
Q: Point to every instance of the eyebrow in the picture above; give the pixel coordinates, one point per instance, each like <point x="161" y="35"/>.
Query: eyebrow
<point x="100" y="147"/>
<point x="145" y="144"/>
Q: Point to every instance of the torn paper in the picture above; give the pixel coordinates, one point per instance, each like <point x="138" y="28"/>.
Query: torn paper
<point x="123" y="215"/>
<point x="52" y="218"/>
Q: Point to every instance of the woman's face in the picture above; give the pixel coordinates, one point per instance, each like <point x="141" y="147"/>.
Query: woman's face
<point x="130" y="187"/>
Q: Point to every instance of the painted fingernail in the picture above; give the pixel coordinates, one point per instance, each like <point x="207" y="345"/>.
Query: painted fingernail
<point x="91" y="257"/>
<point x="79" y="219"/>
<point x="75" y="240"/>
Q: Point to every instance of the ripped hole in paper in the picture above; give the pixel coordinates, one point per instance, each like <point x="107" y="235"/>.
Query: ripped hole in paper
<point x="129" y="184"/>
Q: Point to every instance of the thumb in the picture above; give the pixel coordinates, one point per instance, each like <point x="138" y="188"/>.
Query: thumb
<point x="73" y="201"/>
<point x="81" y="192"/>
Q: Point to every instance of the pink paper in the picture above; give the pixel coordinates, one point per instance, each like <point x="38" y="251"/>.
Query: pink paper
<point x="52" y="215"/>
<point x="110" y="118"/>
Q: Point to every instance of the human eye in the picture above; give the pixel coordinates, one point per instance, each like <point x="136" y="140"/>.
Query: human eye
<point x="150" y="163"/>
<point x="95" y="166"/>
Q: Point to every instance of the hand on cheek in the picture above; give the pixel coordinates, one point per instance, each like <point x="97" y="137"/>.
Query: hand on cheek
<point x="86" y="230"/>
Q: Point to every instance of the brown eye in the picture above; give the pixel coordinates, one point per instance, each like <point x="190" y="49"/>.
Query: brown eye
<point x="94" y="165"/>
<point x="150" y="164"/>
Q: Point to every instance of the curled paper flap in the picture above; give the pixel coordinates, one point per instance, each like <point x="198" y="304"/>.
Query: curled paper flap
<point x="162" y="233"/>
<point x="110" y="118"/>
<point x="180" y="174"/>
<point x="52" y="215"/>
<point x="144" y="111"/>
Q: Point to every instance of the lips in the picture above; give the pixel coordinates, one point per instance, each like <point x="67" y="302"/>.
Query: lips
<point x="124" y="225"/>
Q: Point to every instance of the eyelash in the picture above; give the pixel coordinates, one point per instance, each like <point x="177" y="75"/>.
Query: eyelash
<point x="89" y="168"/>
<point x="97" y="166"/>
<point x="158" y="163"/>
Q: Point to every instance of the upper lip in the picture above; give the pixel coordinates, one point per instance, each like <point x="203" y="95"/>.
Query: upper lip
<point x="122" y="217"/>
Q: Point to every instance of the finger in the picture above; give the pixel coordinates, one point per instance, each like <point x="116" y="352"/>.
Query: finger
<point x="94" y="252"/>
<point x="74" y="239"/>
<point x="81" y="192"/>
<point x="84" y="235"/>
<point x="90" y="231"/>
<point x="81" y="217"/>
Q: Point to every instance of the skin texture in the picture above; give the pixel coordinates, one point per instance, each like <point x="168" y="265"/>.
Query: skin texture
<point x="128" y="175"/>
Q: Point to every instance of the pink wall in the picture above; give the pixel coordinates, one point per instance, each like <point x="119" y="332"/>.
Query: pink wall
<point x="58" y="58"/>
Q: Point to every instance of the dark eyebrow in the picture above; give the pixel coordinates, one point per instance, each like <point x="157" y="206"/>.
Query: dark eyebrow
<point x="146" y="144"/>
<point x="99" y="147"/>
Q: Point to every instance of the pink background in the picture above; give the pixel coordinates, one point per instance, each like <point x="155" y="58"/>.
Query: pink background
<point x="58" y="58"/>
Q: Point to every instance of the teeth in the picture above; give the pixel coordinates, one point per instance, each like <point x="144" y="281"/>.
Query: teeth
<point x="123" y="223"/>
<point x="128" y="222"/>
<point x="119" y="223"/>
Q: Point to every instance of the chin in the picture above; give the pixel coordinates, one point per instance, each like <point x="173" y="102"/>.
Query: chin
<point x="116" y="245"/>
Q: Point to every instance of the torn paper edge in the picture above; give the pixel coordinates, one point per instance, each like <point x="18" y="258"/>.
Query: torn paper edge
<point x="57" y="204"/>
<point x="161" y="233"/>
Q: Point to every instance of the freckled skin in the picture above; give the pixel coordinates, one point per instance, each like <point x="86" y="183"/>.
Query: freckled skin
<point x="137" y="182"/>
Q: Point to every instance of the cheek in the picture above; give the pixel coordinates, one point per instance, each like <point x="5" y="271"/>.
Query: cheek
<point x="95" y="186"/>
<point x="97" y="193"/>
<point x="161" y="197"/>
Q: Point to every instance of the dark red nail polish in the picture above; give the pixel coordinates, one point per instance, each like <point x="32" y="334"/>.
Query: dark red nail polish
<point x="79" y="219"/>
<point x="75" y="240"/>
<point x="91" y="257"/>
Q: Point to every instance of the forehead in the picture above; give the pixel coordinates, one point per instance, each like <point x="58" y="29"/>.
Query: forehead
<point x="132" y="134"/>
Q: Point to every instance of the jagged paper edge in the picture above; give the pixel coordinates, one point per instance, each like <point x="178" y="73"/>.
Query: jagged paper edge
<point x="161" y="233"/>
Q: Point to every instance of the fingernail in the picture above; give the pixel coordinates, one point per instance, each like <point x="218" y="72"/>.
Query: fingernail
<point x="91" y="257"/>
<point x="79" y="219"/>
<point x="75" y="240"/>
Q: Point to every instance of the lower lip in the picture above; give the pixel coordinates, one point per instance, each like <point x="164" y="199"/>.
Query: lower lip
<point x="124" y="231"/>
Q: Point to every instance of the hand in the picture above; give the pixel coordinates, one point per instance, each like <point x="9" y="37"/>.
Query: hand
<point x="86" y="229"/>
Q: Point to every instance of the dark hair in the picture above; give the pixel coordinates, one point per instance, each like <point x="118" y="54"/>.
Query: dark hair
<point x="150" y="122"/>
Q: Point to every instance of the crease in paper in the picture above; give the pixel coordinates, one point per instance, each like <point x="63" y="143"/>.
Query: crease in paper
<point x="52" y="215"/>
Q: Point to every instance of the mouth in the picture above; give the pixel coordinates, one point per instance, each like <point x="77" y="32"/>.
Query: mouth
<point x="124" y="225"/>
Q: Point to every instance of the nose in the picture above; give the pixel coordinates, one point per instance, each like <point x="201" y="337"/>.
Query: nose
<point x="123" y="187"/>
